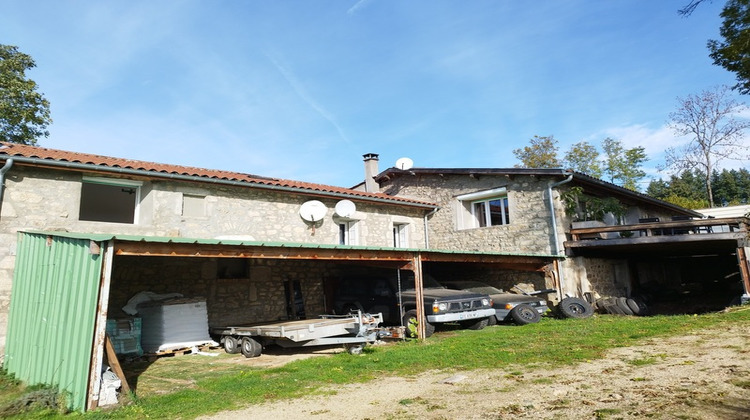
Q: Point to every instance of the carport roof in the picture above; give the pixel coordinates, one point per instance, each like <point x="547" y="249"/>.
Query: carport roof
<point x="141" y="245"/>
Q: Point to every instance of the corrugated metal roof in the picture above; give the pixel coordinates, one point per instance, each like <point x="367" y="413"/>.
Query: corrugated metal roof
<point x="52" y="314"/>
<point x="271" y="244"/>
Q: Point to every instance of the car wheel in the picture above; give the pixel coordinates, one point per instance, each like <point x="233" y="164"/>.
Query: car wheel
<point x="524" y="314"/>
<point x="622" y="303"/>
<point x="250" y="347"/>
<point x="573" y="307"/>
<point x="475" y="324"/>
<point x="231" y="345"/>
<point x="411" y="322"/>
<point x="492" y="321"/>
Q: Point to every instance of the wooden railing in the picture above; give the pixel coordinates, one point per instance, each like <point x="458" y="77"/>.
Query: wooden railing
<point x="672" y="227"/>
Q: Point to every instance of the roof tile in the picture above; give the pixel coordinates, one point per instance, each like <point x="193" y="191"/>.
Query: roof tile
<point x="20" y="150"/>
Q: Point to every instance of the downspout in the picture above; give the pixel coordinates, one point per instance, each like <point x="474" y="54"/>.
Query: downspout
<point x="426" y="231"/>
<point x="556" y="242"/>
<point x="3" y="171"/>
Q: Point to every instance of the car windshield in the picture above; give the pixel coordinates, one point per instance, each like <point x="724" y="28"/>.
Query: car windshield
<point x="407" y="282"/>
<point x="476" y="287"/>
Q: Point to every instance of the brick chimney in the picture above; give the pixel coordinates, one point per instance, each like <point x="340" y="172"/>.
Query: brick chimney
<point x="371" y="169"/>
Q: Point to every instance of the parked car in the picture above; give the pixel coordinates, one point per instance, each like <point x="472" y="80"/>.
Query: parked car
<point x="380" y="294"/>
<point x="509" y="307"/>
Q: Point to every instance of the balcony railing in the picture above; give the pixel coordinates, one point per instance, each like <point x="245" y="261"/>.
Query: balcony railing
<point x="654" y="227"/>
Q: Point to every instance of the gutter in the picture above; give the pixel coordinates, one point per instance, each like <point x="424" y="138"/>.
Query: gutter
<point x="192" y="178"/>
<point x="3" y="171"/>
<point x="426" y="231"/>
<point x="556" y="241"/>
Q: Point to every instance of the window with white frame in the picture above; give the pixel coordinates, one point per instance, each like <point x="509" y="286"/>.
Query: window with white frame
<point x="348" y="233"/>
<point x="492" y="212"/>
<point x="486" y="208"/>
<point x="109" y="200"/>
<point x="400" y="235"/>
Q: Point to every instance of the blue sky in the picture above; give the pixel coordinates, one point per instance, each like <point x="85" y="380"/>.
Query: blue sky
<point x="302" y="89"/>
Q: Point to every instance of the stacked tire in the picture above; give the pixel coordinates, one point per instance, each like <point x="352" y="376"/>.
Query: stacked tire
<point x="621" y="306"/>
<point x="573" y="307"/>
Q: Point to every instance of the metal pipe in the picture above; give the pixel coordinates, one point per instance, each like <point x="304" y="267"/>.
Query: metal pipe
<point x="426" y="230"/>
<point x="556" y="242"/>
<point x="192" y="178"/>
<point x="3" y="171"/>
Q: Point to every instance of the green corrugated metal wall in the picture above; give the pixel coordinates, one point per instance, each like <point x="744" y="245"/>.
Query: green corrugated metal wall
<point x="52" y="314"/>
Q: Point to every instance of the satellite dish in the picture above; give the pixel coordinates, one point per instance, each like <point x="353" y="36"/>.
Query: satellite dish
<point x="313" y="211"/>
<point x="404" y="163"/>
<point x="345" y="208"/>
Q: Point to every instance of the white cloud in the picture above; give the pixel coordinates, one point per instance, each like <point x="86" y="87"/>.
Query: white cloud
<point x="359" y="5"/>
<point x="302" y="92"/>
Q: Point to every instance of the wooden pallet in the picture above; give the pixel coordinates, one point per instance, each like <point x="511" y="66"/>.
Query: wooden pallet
<point x="178" y="351"/>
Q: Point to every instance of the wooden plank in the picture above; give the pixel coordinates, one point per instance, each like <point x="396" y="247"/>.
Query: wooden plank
<point x="744" y="269"/>
<point x="114" y="364"/>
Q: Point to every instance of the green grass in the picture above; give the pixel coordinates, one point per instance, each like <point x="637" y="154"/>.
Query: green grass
<point x="548" y="343"/>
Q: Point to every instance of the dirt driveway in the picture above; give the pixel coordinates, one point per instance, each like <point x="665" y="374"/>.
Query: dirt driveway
<point x="705" y="375"/>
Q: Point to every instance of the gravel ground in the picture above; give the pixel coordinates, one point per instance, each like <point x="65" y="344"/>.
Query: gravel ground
<point x="705" y="375"/>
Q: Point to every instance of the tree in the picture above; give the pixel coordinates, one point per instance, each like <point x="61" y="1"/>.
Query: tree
<point x="709" y="119"/>
<point x="733" y="53"/>
<point x="623" y="166"/>
<point x="540" y="153"/>
<point x="584" y="157"/>
<point x="24" y="112"/>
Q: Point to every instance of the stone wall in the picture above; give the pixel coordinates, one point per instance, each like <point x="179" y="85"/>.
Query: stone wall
<point x="49" y="200"/>
<point x="257" y="295"/>
<point x="599" y="276"/>
<point x="529" y="230"/>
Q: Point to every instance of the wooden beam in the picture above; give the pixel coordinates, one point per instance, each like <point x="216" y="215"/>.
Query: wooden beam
<point x="419" y="289"/>
<point x="114" y="364"/>
<point x="744" y="269"/>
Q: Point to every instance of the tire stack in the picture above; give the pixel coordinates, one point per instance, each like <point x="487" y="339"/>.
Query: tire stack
<point x="573" y="307"/>
<point x="621" y="306"/>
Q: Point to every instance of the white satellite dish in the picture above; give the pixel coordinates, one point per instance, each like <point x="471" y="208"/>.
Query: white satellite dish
<point x="404" y="163"/>
<point x="313" y="211"/>
<point x="345" y="208"/>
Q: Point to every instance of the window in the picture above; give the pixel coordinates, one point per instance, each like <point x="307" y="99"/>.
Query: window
<point x="348" y="233"/>
<point x="193" y="205"/>
<point x="109" y="200"/>
<point x="400" y="235"/>
<point x="484" y="208"/>
<point x="491" y="212"/>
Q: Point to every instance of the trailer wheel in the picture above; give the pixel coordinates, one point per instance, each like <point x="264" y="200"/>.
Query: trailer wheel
<point x="354" y="349"/>
<point x="250" y="347"/>
<point x="524" y="314"/>
<point x="411" y="322"/>
<point x="231" y="345"/>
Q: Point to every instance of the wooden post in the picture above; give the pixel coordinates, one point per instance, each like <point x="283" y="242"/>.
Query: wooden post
<point x="114" y="364"/>
<point x="744" y="269"/>
<point x="419" y="288"/>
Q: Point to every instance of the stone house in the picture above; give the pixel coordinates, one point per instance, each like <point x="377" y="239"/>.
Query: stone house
<point x="496" y="225"/>
<point x="256" y="254"/>
<point x="537" y="210"/>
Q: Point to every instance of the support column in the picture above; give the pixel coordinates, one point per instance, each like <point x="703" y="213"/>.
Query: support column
<point x="419" y="288"/>
<point x="744" y="268"/>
